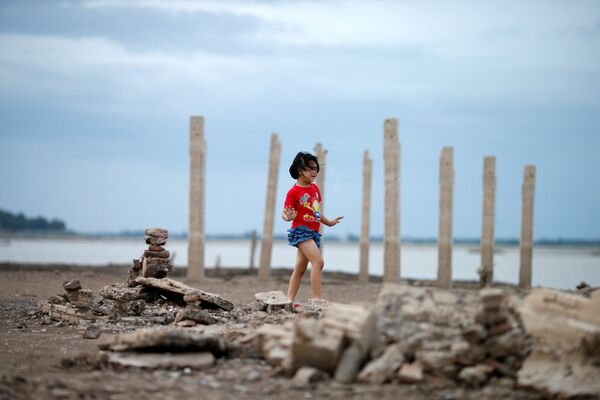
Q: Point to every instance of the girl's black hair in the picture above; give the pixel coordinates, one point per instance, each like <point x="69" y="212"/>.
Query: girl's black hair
<point x="301" y="162"/>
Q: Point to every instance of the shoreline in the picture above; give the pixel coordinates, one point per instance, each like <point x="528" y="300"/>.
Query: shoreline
<point x="227" y="273"/>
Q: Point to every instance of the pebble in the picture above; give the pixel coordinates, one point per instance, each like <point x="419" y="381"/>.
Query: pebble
<point x="91" y="332"/>
<point x="253" y="376"/>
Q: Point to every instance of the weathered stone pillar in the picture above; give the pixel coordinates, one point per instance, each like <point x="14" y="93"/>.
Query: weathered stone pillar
<point x="195" y="269"/>
<point x="528" y="191"/>
<point x="363" y="276"/>
<point x="444" y="276"/>
<point x="252" y="248"/>
<point x="391" y="242"/>
<point x="267" y="236"/>
<point x="487" y="227"/>
<point x="321" y="154"/>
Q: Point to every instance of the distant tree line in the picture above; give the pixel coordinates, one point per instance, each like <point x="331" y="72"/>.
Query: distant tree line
<point x="10" y="222"/>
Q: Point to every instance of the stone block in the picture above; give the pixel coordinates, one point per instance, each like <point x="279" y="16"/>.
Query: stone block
<point x="350" y="362"/>
<point x="156" y="248"/>
<point x="158" y="232"/>
<point x="322" y="351"/>
<point x="157" y="254"/>
<point x="155" y="267"/>
<point x="156" y="236"/>
<point x="307" y="376"/>
<point x="274" y="342"/>
<point x="273" y="301"/>
<point x="357" y="322"/>
<point x="410" y="373"/>
<point x="120" y="292"/>
<point x="384" y="368"/>
<point x="72" y="286"/>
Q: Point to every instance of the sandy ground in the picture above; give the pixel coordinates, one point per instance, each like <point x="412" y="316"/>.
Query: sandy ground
<point x="32" y="351"/>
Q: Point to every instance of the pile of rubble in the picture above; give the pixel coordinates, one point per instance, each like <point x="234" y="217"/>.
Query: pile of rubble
<point x="147" y="298"/>
<point x="547" y="341"/>
<point x="411" y="335"/>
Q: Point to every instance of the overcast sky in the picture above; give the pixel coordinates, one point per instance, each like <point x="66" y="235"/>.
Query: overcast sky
<point x="95" y="100"/>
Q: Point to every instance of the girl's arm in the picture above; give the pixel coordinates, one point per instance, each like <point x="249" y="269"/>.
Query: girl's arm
<point x="330" y="222"/>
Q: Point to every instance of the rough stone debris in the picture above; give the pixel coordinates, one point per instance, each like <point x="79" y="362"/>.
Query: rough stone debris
<point x="307" y="376"/>
<point x="337" y="344"/>
<point x="477" y="375"/>
<point x="274" y="342"/>
<point x="196" y="315"/>
<point x="203" y="299"/>
<point x="565" y="328"/>
<point x="164" y="340"/>
<point x="273" y="301"/>
<point x="551" y="341"/>
<point x="447" y="331"/>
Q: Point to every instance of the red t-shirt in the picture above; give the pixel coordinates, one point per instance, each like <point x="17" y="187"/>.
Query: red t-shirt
<point x="305" y="200"/>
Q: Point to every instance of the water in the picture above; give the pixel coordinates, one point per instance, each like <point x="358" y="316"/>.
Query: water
<point x="557" y="267"/>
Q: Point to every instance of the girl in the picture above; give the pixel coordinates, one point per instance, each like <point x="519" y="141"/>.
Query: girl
<point x="302" y="207"/>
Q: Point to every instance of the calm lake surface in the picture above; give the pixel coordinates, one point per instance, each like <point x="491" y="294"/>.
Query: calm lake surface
<point x="559" y="267"/>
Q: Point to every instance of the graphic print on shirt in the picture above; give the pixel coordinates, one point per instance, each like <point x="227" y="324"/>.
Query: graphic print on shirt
<point x="305" y="201"/>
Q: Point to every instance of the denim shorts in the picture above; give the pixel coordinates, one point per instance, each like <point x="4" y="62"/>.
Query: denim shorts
<point x="301" y="234"/>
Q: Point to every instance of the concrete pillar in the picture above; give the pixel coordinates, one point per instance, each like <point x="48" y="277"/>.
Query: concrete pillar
<point x="252" y="248"/>
<point x="195" y="269"/>
<point x="363" y="276"/>
<point x="391" y="242"/>
<point x="321" y="154"/>
<point x="444" y="276"/>
<point x="528" y="191"/>
<point x="487" y="227"/>
<point x="267" y="236"/>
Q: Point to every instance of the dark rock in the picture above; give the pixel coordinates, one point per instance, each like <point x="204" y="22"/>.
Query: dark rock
<point x="72" y="286"/>
<point x="91" y="332"/>
<point x="157" y="254"/>
<point x="197" y="315"/>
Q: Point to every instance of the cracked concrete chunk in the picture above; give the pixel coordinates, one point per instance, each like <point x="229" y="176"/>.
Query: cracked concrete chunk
<point x="273" y="301"/>
<point x="561" y="325"/>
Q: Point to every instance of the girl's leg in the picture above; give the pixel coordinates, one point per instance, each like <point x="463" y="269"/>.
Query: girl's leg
<point x="313" y="254"/>
<point x="296" y="278"/>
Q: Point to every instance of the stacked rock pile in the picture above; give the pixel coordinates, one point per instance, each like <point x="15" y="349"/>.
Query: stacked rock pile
<point x="155" y="262"/>
<point x="73" y="295"/>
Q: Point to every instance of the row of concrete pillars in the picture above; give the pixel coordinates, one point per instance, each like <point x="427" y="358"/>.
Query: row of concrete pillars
<point x="391" y="155"/>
